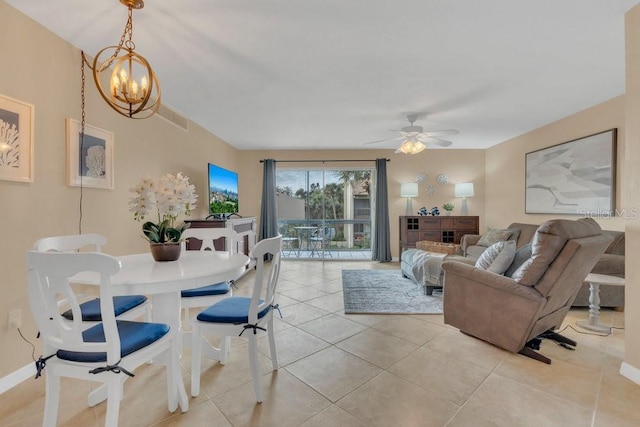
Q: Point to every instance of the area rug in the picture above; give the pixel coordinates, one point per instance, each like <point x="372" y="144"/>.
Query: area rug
<point x="386" y="291"/>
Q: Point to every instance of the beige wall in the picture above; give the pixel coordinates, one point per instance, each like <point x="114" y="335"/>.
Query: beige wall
<point x="505" y="164"/>
<point x="458" y="165"/>
<point x="43" y="70"/>
<point x="632" y="194"/>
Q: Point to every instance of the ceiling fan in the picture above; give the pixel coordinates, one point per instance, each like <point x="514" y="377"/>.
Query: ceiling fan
<point x="415" y="139"/>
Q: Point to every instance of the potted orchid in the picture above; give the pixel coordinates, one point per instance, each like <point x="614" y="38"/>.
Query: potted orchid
<point x="168" y="197"/>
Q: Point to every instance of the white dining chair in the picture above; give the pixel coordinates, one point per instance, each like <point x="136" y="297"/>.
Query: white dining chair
<point x="107" y="352"/>
<point x="243" y="316"/>
<point x="127" y="307"/>
<point x="206" y="295"/>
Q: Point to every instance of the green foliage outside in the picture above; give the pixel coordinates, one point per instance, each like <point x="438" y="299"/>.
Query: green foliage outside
<point x="228" y="206"/>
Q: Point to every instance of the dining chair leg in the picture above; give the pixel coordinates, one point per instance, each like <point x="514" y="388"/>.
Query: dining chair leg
<point x="225" y="344"/>
<point x="114" y="396"/>
<point x="196" y="350"/>
<point x="148" y="315"/>
<point x="255" y="369"/>
<point x="52" y="399"/>
<point x="272" y="344"/>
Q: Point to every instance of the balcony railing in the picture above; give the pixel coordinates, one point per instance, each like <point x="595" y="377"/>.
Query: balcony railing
<point x="304" y="238"/>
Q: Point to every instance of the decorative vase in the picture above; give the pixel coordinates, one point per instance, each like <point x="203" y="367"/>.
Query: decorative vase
<point x="165" y="251"/>
<point x="448" y="213"/>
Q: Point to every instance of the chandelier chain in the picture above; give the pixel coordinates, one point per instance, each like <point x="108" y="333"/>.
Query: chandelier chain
<point x="125" y="41"/>
<point x="82" y="125"/>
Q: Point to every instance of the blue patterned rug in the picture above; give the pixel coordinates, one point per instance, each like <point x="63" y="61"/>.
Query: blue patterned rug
<point x="386" y="291"/>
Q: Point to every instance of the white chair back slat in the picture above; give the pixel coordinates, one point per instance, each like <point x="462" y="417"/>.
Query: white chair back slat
<point x="265" y="285"/>
<point x="71" y="243"/>
<point x="48" y="281"/>
<point x="208" y="236"/>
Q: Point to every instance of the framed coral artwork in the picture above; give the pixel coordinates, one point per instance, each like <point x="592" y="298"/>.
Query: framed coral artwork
<point x="89" y="158"/>
<point x="16" y="140"/>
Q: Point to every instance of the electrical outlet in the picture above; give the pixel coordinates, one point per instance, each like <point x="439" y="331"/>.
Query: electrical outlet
<point x="15" y="318"/>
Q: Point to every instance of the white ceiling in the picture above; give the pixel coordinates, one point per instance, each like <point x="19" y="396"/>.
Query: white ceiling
<point x="334" y="74"/>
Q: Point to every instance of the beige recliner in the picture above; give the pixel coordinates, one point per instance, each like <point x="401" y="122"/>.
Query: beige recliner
<point x="515" y="312"/>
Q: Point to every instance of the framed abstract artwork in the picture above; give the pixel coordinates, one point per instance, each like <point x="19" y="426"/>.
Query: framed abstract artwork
<point x="575" y="177"/>
<point x="89" y="158"/>
<point x="16" y="140"/>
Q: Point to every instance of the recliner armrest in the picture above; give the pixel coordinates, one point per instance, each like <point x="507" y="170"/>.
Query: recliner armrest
<point x="468" y="240"/>
<point x="489" y="279"/>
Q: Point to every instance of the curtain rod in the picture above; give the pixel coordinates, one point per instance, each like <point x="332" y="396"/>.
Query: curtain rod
<point x="323" y="161"/>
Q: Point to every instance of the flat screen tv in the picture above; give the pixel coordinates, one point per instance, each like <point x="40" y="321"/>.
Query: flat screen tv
<point x="223" y="192"/>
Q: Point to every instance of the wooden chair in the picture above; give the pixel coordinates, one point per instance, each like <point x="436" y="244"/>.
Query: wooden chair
<point x="129" y="307"/>
<point x="243" y="316"/>
<point x="107" y="352"/>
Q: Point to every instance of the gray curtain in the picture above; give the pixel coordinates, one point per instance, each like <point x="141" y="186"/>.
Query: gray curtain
<point x="268" y="210"/>
<point x="381" y="245"/>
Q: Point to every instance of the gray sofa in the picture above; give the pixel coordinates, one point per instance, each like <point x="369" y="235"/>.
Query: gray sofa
<point x="611" y="263"/>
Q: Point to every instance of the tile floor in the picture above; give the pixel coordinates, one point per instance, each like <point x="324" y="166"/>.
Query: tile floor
<point x="369" y="370"/>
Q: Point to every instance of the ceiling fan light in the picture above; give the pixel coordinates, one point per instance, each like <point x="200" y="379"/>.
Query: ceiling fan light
<point x="412" y="147"/>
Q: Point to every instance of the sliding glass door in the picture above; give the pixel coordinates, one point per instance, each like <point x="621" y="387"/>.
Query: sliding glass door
<point x="324" y="213"/>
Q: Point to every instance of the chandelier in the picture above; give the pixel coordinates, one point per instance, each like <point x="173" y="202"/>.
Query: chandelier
<point x="124" y="78"/>
<point x="411" y="145"/>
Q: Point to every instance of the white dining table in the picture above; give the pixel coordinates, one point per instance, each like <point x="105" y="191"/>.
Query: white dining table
<point x="162" y="281"/>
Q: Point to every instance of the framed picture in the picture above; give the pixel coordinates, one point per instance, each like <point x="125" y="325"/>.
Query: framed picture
<point x="89" y="159"/>
<point x="16" y="140"/>
<point x="576" y="177"/>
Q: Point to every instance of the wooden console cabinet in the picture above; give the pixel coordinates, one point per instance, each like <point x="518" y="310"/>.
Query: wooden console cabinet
<point x="245" y="227"/>
<point x="445" y="229"/>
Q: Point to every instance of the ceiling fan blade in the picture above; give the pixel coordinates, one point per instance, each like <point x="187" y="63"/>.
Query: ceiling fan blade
<point x="442" y="132"/>
<point x="440" y="142"/>
<point x="432" y="139"/>
<point x="384" y="140"/>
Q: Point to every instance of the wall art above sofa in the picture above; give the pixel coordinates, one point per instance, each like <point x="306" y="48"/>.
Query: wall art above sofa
<point x="576" y="177"/>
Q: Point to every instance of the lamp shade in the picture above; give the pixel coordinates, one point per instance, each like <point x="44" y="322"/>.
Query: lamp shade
<point x="464" y="189"/>
<point x="409" y="189"/>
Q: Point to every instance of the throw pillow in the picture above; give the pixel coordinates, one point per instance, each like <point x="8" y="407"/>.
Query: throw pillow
<point x="493" y="235"/>
<point x="498" y="257"/>
<point x="515" y="233"/>
<point x="522" y="254"/>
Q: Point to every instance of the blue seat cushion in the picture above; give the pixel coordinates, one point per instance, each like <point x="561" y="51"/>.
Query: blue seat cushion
<point x="91" y="309"/>
<point x="230" y="310"/>
<point x="133" y="337"/>
<point x="217" y="289"/>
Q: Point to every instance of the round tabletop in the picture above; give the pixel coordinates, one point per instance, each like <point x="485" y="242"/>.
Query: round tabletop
<point x="604" y="279"/>
<point x="140" y="274"/>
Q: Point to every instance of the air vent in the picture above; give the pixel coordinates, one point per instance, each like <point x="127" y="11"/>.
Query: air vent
<point x="172" y="117"/>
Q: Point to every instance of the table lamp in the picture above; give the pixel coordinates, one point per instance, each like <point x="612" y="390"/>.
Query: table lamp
<point x="409" y="190"/>
<point x="464" y="190"/>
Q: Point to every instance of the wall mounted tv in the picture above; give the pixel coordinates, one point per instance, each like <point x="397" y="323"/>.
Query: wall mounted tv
<point x="223" y="192"/>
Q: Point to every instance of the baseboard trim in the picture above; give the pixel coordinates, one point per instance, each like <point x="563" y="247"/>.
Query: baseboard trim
<point x="16" y="377"/>
<point x="630" y="372"/>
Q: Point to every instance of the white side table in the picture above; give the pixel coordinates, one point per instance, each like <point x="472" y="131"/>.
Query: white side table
<point x="595" y="280"/>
